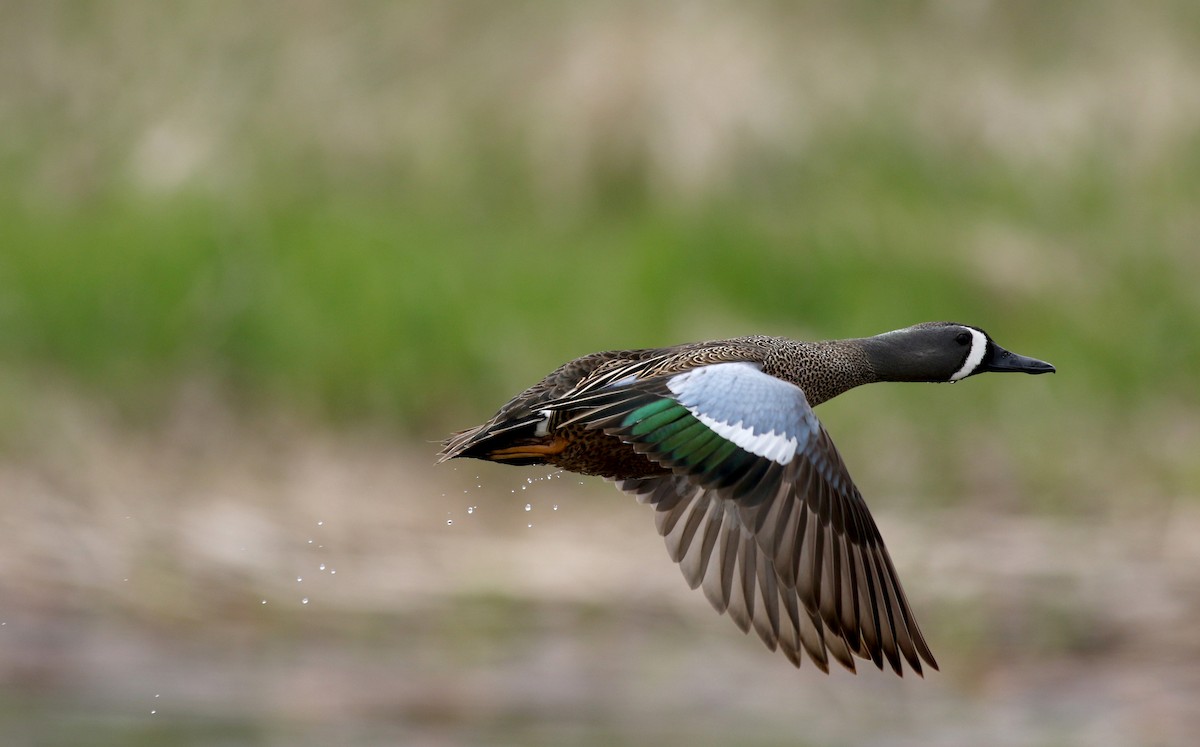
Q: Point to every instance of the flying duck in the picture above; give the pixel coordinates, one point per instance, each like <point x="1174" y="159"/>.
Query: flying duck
<point x="749" y="491"/>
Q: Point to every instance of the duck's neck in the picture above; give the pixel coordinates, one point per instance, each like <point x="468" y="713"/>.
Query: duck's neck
<point x="822" y="369"/>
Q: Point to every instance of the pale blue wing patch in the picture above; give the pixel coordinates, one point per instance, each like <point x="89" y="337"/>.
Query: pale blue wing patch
<point x="761" y="414"/>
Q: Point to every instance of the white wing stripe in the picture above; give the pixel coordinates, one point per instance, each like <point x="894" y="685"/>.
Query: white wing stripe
<point x="774" y="446"/>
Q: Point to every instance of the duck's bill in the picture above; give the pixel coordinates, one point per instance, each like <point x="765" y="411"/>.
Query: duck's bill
<point x="1004" y="360"/>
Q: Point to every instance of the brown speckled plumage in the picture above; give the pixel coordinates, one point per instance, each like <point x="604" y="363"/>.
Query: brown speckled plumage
<point x="752" y="498"/>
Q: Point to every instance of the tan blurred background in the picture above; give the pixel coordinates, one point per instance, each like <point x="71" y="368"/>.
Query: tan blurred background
<point x="257" y="259"/>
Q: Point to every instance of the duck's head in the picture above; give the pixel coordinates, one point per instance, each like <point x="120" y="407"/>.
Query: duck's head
<point x="942" y="351"/>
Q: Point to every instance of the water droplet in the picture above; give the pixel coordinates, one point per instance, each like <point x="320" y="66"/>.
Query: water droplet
<point x="320" y="523"/>
<point x="264" y="601"/>
<point x="470" y="509"/>
<point x="555" y="506"/>
<point x="449" y="522"/>
<point x="531" y="526"/>
<point x="529" y="480"/>
<point x="332" y="571"/>
<point x="310" y="542"/>
<point x="321" y="567"/>
<point x="304" y="600"/>
<point x="152" y="711"/>
<point x="156" y="694"/>
<point x="299" y="579"/>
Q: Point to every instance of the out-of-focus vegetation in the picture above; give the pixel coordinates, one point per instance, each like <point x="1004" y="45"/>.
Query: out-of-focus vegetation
<point x="396" y="215"/>
<point x="388" y="211"/>
<point x="406" y="213"/>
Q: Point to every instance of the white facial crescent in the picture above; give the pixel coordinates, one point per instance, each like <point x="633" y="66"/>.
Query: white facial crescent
<point x="975" y="357"/>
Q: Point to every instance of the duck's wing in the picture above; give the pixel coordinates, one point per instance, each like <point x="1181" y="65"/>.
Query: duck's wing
<point x="761" y="512"/>
<point x="526" y="415"/>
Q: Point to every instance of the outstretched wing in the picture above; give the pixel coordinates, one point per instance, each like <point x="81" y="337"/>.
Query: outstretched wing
<point x="761" y="512"/>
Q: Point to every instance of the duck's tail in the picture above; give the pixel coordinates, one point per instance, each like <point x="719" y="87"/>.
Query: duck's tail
<point x="518" y="441"/>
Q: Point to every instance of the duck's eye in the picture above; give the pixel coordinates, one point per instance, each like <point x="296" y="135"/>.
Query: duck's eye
<point x="963" y="338"/>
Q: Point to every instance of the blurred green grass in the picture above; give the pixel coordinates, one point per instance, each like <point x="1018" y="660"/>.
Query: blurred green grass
<point x="348" y="304"/>
<point x="311" y="260"/>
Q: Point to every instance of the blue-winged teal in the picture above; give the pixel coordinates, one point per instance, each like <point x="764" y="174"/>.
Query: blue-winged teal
<point x="751" y="495"/>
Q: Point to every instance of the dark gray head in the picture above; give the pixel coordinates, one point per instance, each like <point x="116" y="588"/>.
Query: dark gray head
<point x="942" y="351"/>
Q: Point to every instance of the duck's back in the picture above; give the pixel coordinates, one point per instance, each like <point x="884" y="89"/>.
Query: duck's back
<point x="520" y="433"/>
<point x="598" y="369"/>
